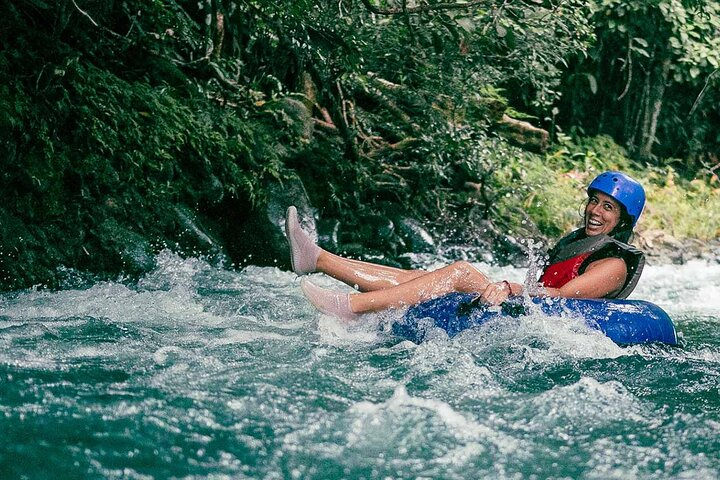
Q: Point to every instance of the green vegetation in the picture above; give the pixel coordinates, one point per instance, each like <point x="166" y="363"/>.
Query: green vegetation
<point x="657" y="62"/>
<point x="125" y="125"/>
<point x="554" y="187"/>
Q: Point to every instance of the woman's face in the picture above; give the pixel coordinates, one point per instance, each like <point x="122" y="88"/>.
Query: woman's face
<point x="602" y="214"/>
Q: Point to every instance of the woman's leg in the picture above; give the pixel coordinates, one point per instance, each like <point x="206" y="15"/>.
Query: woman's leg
<point x="365" y="276"/>
<point x="458" y="277"/>
<point x="307" y="257"/>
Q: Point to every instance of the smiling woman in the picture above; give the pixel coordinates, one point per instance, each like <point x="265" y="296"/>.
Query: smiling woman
<point x="592" y="262"/>
<point x="596" y="258"/>
<point x="602" y="214"/>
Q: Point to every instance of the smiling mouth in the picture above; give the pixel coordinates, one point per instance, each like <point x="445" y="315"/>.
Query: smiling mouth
<point x="594" y="223"/>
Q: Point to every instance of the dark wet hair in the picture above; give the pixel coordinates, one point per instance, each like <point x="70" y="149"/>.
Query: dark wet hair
<point x="623" y="231"/>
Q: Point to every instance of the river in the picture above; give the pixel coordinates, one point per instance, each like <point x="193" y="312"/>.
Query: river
<point x="196" y="371"/>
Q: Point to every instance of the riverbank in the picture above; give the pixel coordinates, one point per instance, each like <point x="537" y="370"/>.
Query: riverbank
<point x="262" y="243"/>
<point x="119" y="146"/>
<point x="662" y="249"/>
<point x="122" y="242"/>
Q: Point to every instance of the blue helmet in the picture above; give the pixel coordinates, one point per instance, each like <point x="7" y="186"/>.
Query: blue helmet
<point x="627" y="191"/>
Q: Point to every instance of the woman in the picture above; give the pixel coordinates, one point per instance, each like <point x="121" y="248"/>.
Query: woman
<point x="591" y="262"/>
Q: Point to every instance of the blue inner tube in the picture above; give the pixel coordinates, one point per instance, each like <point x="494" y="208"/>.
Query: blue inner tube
<point x="626" y="322"/>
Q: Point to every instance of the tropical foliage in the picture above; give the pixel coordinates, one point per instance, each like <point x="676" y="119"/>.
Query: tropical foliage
<point x="658" y="63"/>
<point x="116" y="116"/>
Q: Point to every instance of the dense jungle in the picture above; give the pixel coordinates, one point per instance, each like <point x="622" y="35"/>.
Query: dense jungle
<point x="137" y="126"/>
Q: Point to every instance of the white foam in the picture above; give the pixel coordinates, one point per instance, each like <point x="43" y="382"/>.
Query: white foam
<point x="113" y="301"/>
<point x="337" y="332"/>
<point x="544" y="340"/>
<point x="461" y="426"/>
<point x="586" y="402"/>
<point x="232" y="336"/>
<point x="692" y="287"/>
<point x="461" y="374"/>
<point x="669" y="452"/>
<point x="90" y="352"/>
<point x="163" y="354"/>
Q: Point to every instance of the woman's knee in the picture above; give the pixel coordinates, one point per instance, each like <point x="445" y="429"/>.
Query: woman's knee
<point x="468" y="278"/>
<point x="463" y="267"/>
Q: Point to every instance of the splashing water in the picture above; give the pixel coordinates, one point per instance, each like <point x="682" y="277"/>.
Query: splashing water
<point x="199" y="372"/>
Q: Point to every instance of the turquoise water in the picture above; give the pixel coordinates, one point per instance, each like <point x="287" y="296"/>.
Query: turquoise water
<point x="199" y="372"/>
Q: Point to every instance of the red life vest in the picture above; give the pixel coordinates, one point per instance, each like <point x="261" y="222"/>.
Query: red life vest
<point x="574" y="252"/>
<point x="558" y="274"/>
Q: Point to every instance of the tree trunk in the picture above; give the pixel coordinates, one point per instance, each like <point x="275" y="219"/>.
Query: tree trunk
<point x="652" y="109"/>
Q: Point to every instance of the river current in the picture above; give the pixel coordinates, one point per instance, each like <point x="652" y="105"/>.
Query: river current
<point x="196" y="371"/>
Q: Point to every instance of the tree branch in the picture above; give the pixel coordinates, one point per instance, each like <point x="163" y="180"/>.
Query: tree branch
<point x="702" y="92"/>
<point x="86" y="15"/>
<point x="630" y="71"/>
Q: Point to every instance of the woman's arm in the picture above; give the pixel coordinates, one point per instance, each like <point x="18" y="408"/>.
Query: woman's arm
<point x="600" y="279"/>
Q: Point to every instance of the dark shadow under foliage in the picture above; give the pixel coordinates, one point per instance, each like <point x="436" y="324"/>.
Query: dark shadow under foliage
<point x="111" y="151"/>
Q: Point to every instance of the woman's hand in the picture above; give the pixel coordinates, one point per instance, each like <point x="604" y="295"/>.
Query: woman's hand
<point x="496" y="293"/>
